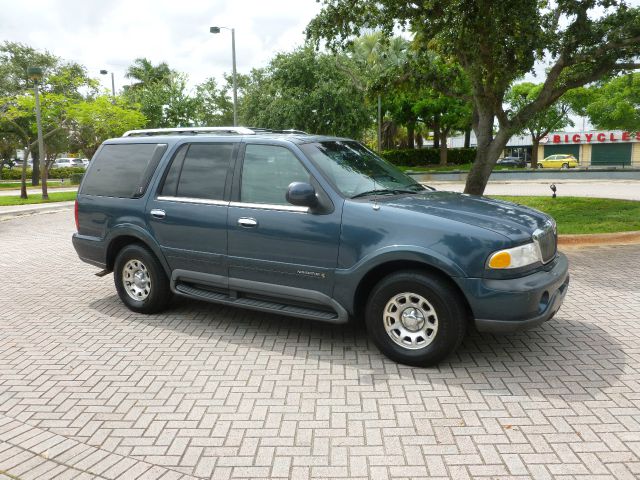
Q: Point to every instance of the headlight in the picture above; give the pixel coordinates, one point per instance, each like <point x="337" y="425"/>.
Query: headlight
<point x="515" y="257"/>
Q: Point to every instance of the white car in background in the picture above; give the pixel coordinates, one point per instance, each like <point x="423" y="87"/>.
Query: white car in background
<point x="62" y="162"/>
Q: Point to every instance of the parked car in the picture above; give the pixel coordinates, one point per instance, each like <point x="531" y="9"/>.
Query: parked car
<point x="314" y="227"/>
<point x="77" y="162"/>
<point x="62" y="162"/>
<point x="558" y="161"/>
<point x="512" y="162"/>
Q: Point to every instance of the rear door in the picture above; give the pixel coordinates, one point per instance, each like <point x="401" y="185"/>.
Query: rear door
<point x="271" y="241"/>
<point x="188" y="213"/>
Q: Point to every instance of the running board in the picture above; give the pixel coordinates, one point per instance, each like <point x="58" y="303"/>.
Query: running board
<point x="273" y="306"/>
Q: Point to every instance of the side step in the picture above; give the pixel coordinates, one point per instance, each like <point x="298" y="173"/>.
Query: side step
<point x="191" y="291"/>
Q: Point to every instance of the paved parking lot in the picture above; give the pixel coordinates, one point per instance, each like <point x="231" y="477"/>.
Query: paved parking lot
<point x="89" y="389"/>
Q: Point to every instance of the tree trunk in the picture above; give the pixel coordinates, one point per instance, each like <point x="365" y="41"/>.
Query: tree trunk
<point x="35" y="171"/>
<point x="443" y="148"/>
<point x="487" y="154"/>
<point x="23" y="178"/>
<point x="534" y="153"/>
<point x="411" y="138"/>
<point x="467" y="138"/>
<point x="436" y="131"/>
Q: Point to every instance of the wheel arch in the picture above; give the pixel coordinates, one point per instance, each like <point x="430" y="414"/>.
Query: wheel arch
<point x="124" y="236"/>
<point x="373" y="276"/>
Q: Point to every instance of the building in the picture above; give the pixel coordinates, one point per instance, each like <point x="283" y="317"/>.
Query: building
<point x="591" y="148"/>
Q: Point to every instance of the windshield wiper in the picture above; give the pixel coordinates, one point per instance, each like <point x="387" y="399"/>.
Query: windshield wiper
<point x="383" y="191"/>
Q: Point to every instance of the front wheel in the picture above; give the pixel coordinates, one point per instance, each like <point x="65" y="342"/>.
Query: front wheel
<point x="415" y="318"/>
<point x="565" y="166"/>
<point x="140" y="280"/>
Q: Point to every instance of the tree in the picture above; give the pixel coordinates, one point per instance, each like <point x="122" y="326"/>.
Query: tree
<point x="94" y="121"/>
<point x="610" y="105"/>
<point x="305" y="90"/>
<point x="146" y="73"/>
<point x="496" y="42"/>
<point x="554" y="117"/>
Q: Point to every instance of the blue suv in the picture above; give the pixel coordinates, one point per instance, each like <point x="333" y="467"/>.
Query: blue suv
<point x="314" y="227"/>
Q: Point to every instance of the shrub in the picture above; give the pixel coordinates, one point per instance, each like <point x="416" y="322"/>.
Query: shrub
<point x="16" y="173"/>
<point x="422" y="157"/>
<point x="76" y="178"/>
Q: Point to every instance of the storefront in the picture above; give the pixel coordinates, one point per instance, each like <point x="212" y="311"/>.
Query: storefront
<point x="597" y="148"/>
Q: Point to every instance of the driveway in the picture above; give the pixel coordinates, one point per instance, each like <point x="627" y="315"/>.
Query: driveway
<point x="89" y="389"/>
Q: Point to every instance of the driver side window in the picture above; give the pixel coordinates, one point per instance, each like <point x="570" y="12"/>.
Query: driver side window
<point x="267" y="172"/>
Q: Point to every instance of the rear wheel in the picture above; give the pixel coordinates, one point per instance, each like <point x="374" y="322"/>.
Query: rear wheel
<point x="565" y="166"/>
<point x="140" y="280"/>
<point x="415" y="318"/>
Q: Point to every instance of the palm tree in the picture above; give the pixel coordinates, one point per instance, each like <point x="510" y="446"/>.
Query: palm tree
<point x="146" y="73"/>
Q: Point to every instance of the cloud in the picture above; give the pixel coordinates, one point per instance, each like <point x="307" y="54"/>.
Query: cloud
<point x="111" y="34"/>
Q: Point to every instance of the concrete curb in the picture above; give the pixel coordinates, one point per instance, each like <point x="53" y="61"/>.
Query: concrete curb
<point x="7" y="213"/>
<point x="617" y="238"/>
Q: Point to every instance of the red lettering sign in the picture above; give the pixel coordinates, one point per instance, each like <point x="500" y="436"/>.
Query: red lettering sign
<point x="638" y="136"/>
<point x="589" y="137"/>
<point x="601" y="137"/>
<point x="576" y="138"/>
<point x="626" y="137"/>
<point x="556" y="138"/>
<point x="612" y="137"/>
<point x="566" y="139"/>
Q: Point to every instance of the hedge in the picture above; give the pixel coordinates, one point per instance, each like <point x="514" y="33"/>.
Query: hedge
<point x="16" y="173"/>
<point x="421" y="157"/>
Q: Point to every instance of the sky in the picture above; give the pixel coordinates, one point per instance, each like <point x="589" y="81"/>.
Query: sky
<point x="111" y="34"/>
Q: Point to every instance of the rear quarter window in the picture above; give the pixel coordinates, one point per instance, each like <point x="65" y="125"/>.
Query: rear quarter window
<point x="123" y="170"/>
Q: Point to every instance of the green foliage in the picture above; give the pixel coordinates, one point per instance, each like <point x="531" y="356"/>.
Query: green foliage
<point x="305" y="90"/>
<point x="421" y="157"/>
<point x="76" y="178"/>
<point x="554" y="117"/>
<point x="56" y="173"/>
<point x="611" y="105"/>
<point x="99" y="119"/>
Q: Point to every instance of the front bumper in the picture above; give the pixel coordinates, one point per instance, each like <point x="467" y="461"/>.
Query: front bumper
<point x="502" y="306"/>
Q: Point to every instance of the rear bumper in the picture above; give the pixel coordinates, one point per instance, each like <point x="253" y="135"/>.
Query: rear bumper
<point x="502" y="306"/>
<point x="90" y="250"/>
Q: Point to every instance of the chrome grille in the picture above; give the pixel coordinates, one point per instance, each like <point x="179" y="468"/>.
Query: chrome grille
<point x="547" y="242"/>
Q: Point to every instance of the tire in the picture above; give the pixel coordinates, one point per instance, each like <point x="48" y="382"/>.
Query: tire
<point x="429" y="328"/>
<point x="144" y="286"/>
<point x="540" y="166"/>
<point x="565" y="166"/>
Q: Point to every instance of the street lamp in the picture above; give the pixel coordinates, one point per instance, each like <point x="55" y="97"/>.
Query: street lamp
<point x="35" y="74"/>
<point x="233" y="54"/>
<point x="113" y="85"/>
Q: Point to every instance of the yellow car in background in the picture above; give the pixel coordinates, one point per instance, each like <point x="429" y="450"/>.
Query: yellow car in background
<point x="559" y="161"/>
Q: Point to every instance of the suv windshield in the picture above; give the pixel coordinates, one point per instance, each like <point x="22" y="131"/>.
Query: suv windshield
<point x="356" y="171"/>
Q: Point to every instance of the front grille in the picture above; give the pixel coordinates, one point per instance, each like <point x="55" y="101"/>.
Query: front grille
<point x="547" y="241"/>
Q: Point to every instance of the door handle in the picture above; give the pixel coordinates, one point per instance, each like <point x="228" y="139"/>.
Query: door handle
<point x="157" y="213"/>
<point x="247" y="222"/>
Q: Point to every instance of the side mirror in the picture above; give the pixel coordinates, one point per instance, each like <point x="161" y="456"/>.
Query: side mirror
<point x="301" y="194"/>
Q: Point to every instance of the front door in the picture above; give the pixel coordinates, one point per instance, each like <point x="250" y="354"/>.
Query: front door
<point x="272" y="241"/>
<point x="188" y="214"/>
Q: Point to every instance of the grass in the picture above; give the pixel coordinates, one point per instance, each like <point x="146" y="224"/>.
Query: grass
<point x="16" y="185"/>
<point x="578" y="215"/>
<point x="36" y="198"/>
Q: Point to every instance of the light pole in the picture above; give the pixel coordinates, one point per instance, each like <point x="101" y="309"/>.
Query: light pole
<point x="233" y="54"/>
<point x="35" y="73"/>
<point x="113" y="86"/>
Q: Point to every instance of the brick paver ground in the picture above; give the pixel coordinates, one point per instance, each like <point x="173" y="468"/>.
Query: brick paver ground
<point x="89" y="389"/>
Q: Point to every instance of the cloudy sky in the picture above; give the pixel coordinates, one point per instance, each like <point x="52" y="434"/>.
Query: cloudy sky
<point x="110" y="34"/>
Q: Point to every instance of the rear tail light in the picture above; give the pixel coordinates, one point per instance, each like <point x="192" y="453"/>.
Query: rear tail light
<point x="75" y="214"/>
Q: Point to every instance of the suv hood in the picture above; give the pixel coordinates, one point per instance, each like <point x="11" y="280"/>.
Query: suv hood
<point x="509" y="219"/>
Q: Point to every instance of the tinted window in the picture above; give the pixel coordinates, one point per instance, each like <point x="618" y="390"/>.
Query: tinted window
<point x="267" y="172"/>
<point x="204" y="172"/>
<point x="170" y="185"/>
<point x="122" y="170"/>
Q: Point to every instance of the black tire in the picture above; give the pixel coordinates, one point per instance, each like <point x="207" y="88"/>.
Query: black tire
<point x="159" y="292"/>
<point x="565" y="166"/>
<point x="450" y="317"/>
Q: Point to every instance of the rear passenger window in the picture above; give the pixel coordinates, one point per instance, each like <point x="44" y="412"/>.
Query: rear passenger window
<point x="267" y="172"/>
<point x="123" y="170"/>
<point x="199" y="171"/>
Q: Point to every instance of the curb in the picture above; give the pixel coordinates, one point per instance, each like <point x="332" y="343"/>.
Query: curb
<point x="618" y="238"/>
<point x="7" y="213"/>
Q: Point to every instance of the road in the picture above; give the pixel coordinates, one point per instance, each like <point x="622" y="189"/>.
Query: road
<point x="89" y="389"/>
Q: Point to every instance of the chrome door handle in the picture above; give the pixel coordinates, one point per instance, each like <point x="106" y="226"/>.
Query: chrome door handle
<point x="157" y="213"/>
<point x="247" y="222"/>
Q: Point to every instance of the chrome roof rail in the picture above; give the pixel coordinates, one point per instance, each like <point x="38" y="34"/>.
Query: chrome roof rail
<point x="189" y="131"/>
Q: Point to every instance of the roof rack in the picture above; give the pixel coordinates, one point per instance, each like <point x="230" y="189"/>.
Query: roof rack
<point x="189" y="131"/>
